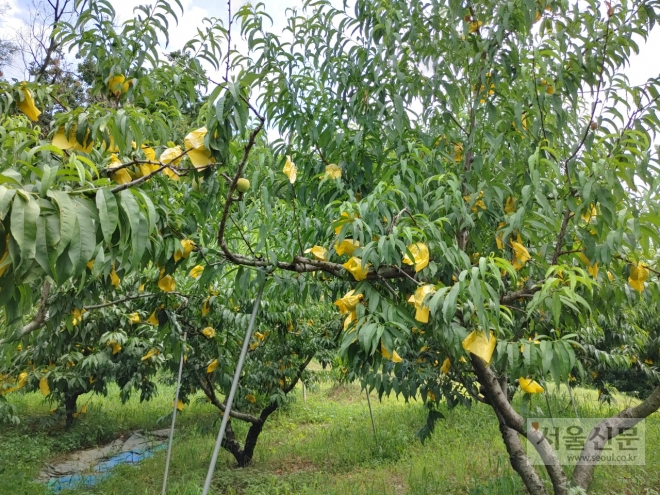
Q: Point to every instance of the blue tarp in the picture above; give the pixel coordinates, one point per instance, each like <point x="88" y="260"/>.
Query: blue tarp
<point x="101" y="470"/>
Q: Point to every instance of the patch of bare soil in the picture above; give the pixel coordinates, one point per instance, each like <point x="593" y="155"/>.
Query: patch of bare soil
<point x="293" y="465"/>
<point x="345" y="393"/>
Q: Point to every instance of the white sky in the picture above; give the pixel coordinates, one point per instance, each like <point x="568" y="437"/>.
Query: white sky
<point x="642" y="66"/>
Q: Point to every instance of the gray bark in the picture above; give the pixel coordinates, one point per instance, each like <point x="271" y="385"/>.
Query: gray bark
<point x="583" y="473"/>
<point x="498" y="401"/>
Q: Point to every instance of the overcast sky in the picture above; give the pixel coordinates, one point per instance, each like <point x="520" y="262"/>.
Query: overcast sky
<point x="643" y="66"/>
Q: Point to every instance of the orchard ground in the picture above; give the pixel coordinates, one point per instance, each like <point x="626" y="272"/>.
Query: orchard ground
<point x="324" y="445"/>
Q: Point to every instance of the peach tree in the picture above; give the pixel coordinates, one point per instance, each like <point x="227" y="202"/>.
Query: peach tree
<point x="474" y="184"/>
<point x="487" y="179"/>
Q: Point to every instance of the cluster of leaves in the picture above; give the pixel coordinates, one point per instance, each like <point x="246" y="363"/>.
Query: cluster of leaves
<point x="285" y="339"/>
<point x="622" y="352"/>
<point x="441" y="159"/>
<point x="465" y="129"/>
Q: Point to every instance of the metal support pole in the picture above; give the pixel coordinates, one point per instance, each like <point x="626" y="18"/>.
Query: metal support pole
<point x="232" y="391"/>
<point x="371" y="413"/>
<point x="176" y="403"/>
<point x="570" y="394"/>
<point x="547" y="402"/>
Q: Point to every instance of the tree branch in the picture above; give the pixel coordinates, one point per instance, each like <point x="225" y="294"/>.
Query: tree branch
<point x="40" y="318"/>
<point x="398" y="216"/>
<point x="228" y="39"/>
<point x="53" y="45"/>
<point x="562" y="233"/>
<point x="209" y="391"/>
<point x="242" y="236"/>
<point x="114" y="303"/>
<point x="301" y="368"/>
<point x="232" y="187"/>
<point x="140" y="180"/>
<point x="594" y="104"/>
<point x="499" y="401"/>
<point x="519" y="459"/>
<point x="321" y="155"/>
<point x="584" y="471"/>
<point x="513" y="296"/>
<point x="536" y="91"/>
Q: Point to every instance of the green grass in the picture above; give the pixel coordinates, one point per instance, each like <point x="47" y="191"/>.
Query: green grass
<point x="322" y="446"/>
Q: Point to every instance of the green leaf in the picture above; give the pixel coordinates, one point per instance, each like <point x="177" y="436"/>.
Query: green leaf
<point x="449" y="306"/>
<point x="41" y="253"/>
<point x="556" y="307"/>
<point x="24" y="214"/>
<point x="366" y="334"/>
<point x="131" y="210"/>
<point x="6" y="195"/>
<point x="546" y="356"/>
<point x="108" y="213"/>
<point x="52" y="240"/>
<point x="87" y="240"/>
<point x="152" y="215"/>
<point x="140" y="241"/>
<point x="47" y="179"/>
<point x="67" y="219"/>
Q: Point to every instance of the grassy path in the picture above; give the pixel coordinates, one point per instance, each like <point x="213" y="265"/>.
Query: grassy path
<point x="324" y="446"/>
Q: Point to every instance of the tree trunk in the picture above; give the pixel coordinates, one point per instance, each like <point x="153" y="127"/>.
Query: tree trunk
<point x="243" y="455"/>
<point x="232" y="445"/>
<point x="517" y="455"/>
<point x="70" y="408"/>
<point x="498" y="400"/>
<point x="519" y="460"/>
<point x="584" y="472"/>
<point x="253" y="434"/>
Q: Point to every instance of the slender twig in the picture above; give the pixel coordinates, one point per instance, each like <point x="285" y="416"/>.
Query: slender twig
<point x="65" y="107"/>
<point x="40" y="319"/>
<point x="321" y="155"/>
<point x="232" y="187"/>
<point x="247" y="243"/>
<point x="145" y="178"/>
<point x="406" y="275"/>
<point x="247" y="102"/>
<point x="470" y="389"/>
<point x="228" y="39"/>
<point x="562" y="233"/>
<point x="594" y="104"/>
<point x="140" y="180"/>
<point x="389" y="287"/>
<point x="137" y="161"/>
<point x="295" y="218"/>
<point x="53" y="45"/>
<point x="536" y="91"/>
<point x="652" y="270"/>
<point x="458" y="124"/>
<point x="398" y="215"/>
<point x="628" y="125"/>
<point x="118" y="301"/>
<point x="514" y="308"/>
<point x="570" y="251"/>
